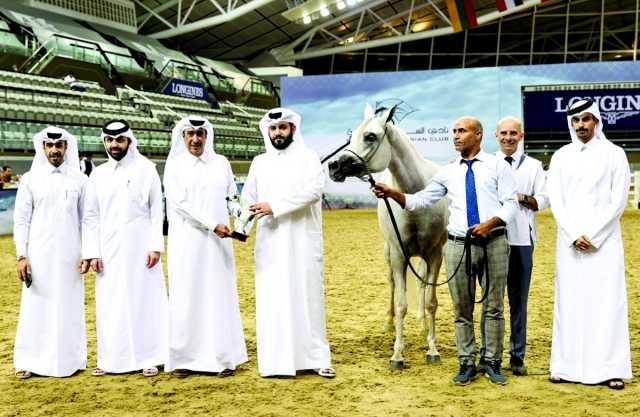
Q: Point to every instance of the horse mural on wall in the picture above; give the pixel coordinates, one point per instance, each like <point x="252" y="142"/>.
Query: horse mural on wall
<point x="378" y="145"/>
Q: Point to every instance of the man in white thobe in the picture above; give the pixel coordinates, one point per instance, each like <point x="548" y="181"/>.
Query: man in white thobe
<point x="131" y="299"/>
<point x="49" y="218"/>
<point x="588" y="184"/>
<point x="285" y="186"/>
<point x="206" y="333"/>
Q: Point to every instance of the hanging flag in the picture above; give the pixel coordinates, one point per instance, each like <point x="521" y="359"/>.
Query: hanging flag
<point x="462" y="14"/>
<point x="504" y="5"/>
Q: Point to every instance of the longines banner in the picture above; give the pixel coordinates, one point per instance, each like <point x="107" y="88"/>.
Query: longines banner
<point x="546" y="110"/>
<point x="429" y="102"/>
<point x="185" y="88"/>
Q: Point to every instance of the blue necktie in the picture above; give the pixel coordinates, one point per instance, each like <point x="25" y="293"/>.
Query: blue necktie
<point x="472" y="199"/>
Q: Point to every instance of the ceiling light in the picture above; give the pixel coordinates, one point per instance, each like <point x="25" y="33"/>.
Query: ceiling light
<point x="324" y="12"/>
<point x="419" y="26"/>
<point x="340" y="5"/>
<point x="306" y="19"/>
<point x="618" y="56"/>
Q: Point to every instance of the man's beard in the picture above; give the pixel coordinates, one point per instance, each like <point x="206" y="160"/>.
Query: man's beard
<point x="120" y="156"/>
<point x="282" y="145"/>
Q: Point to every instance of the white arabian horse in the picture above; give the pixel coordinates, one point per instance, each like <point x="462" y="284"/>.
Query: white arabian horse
<point x="383" y="146"/>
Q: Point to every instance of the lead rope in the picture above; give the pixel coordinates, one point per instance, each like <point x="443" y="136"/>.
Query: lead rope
<point x="467" y="240"/>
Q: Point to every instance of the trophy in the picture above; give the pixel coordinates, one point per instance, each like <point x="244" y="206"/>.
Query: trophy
<point x="242" y="217"/>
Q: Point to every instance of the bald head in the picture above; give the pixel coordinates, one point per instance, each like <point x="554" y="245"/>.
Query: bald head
<point x="509" y="134"/>
<point x="472" y="122"/>
<point x="467" y="135"/>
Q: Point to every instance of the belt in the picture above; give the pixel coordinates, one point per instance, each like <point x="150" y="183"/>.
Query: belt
<point x="477" y="240"/>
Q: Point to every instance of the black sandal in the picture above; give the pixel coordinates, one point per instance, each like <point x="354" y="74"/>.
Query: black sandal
<point x="615" y="383"/>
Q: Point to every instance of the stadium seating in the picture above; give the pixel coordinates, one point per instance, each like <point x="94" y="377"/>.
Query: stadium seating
<point x="29" y="102"/>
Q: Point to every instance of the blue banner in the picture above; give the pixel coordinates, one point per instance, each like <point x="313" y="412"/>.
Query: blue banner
<point x="546" y="110"/>
<point x="7" y="202"/>
<point x="185" y="88"/>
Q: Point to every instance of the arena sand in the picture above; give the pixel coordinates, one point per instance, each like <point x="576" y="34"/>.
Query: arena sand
<point x="356" y="295"/>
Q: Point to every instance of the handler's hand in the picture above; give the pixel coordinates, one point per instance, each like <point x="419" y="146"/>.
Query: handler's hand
<point x="83" y="266"/>
<point x="481" y="229"/>
<point x="381" y="190"/>
<point x="152" y="259"/>
<point x="583" y="244"/>
<point x="23" y="269"/>
<point x="261" y="209"/>
<point x="96" y="265"/>
<point x="222" y="231"/>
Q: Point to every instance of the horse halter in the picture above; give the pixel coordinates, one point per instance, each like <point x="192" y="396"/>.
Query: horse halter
<point x="369" y="155"/>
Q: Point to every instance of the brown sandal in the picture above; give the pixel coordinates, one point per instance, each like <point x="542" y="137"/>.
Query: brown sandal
<point x="23" y="374"/>
<point x="98" y="372"/>
<point x="152" y="371"/>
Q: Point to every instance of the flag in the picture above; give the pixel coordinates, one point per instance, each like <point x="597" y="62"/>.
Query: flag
<point x="504" y="5"/>
<point x="462" y="14"/>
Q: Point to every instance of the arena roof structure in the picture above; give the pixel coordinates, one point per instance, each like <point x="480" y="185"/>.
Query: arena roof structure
<point x="337" y="36"/>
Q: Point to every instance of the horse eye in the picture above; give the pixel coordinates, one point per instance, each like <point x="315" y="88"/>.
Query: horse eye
<point x="370" y="137"/>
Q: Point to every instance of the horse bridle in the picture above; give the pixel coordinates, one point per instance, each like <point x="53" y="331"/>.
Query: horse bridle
<point x="466" y="252"/>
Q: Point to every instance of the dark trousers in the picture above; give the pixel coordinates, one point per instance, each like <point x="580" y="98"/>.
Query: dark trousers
<point x="518" y="283"/>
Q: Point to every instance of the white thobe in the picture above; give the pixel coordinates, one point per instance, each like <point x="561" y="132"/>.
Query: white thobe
<point x="588" y="187"/>
<point x="51" y="336"/>
<point x="290" y="315"/>
<point x="205" y="329"/>
<point x="131" y="300"/>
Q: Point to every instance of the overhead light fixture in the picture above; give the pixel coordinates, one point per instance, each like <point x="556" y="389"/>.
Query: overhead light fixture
<point x="419" y="26"/>
<point x="306" y="11"/>
<point x="618" y="56"/>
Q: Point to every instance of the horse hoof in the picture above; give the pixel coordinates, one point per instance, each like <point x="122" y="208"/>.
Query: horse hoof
<point x="397" y="365"/>
<point x="433" y="359"/>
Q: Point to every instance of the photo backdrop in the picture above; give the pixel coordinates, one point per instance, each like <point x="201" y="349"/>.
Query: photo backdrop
<point x="429" y="101"/>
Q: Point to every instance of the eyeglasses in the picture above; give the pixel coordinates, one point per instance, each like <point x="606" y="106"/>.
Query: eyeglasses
<point x="275" y="115"/>
<point x="199" y="132"/>
<point x="57" y="144"/>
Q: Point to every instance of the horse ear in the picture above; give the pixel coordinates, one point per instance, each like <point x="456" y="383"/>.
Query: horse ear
<point x="368" y="111"/>
<point x="388" y="115"/>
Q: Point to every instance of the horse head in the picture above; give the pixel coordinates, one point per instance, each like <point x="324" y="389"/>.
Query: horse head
<point x="369" y="150"/>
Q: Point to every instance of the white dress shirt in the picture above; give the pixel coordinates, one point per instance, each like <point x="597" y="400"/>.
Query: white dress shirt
<point x="530" y="180"/>
<point x="495" y="190"/>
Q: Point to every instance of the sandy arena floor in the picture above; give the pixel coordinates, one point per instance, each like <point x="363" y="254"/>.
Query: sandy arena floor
<point x="356" y="296"/>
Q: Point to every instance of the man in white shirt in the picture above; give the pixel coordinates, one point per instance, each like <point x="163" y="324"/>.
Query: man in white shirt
<point x="131" y="299"/>
<point x="481" y="191"/>
<point x="205" y="330"/>
<point x="588" y="186"/>
<point x="521" y="232"/>
<point x="49" y="218"/>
